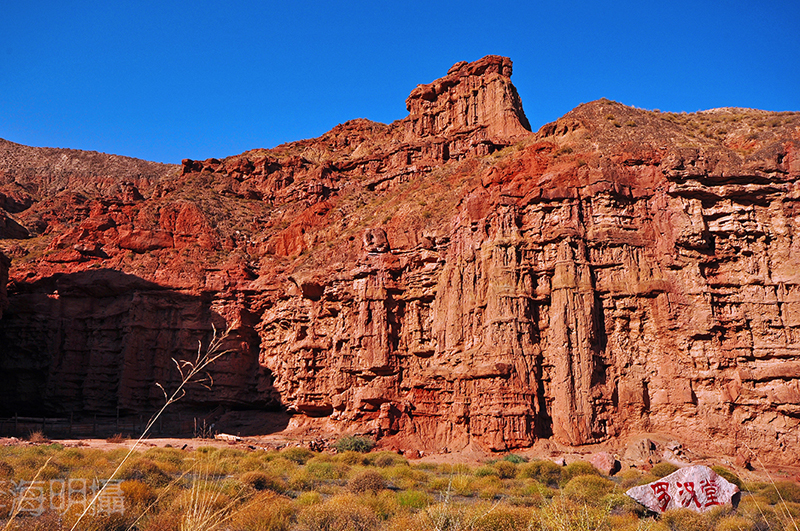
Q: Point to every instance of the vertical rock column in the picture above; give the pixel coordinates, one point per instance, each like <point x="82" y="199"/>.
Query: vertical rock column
<point x="571" y="345"/>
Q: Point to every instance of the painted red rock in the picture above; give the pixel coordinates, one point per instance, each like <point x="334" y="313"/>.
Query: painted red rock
<point x="693" y="487"/>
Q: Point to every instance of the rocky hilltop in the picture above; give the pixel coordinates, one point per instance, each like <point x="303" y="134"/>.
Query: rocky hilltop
<point x="450" y="279"/>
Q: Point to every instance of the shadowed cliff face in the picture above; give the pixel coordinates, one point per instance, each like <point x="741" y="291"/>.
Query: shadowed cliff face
<point x="451" y="278"/>
<point x="97" y="342"/>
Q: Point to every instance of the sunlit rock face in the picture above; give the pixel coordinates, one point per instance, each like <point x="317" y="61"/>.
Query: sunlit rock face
<point x="448" y="279"/>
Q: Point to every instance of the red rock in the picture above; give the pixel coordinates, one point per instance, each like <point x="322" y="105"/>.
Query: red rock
<point x="446" y="281"/>
<point x="605" y="463"/>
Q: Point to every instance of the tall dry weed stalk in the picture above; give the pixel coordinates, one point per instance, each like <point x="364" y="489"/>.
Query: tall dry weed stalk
<point x="191" y="372"/>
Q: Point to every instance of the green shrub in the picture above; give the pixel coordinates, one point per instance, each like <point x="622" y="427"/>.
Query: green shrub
<point x="413" y="499"/>
<point x="514" y="458"/>
<point x="349" y="443"/>
<point x="578" y="468"/>
<point x="545" y="472"/>
<point x="663" y="469"/>
<point x="369" y="481"/>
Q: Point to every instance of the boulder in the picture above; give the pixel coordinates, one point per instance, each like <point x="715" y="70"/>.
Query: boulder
<point x="693" y="487"/>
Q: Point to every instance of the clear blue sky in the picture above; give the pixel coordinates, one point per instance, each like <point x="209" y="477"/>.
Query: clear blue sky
<point x="168" y="80"/>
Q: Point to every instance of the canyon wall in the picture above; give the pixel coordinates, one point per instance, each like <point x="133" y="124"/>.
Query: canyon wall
<point x="448" y="279"/>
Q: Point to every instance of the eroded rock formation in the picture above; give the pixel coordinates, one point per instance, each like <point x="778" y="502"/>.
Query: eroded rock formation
<point x="448" y="279"/>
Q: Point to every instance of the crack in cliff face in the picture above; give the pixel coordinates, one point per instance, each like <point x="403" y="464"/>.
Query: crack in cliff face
<point x="446" y="280"/>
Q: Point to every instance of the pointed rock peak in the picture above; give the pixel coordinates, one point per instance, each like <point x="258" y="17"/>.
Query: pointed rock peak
<point x="471" y="96"/>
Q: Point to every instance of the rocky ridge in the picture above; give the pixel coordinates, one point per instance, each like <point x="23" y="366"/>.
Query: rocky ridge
<point x="445" y="280"/>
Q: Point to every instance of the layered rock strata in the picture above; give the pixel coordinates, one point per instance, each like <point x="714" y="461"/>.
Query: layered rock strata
<point x="445" y="280"/>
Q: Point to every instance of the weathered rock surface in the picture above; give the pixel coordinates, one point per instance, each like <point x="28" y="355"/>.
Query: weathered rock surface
<point x="445" y="280"/>
<point x="693" y="487"/>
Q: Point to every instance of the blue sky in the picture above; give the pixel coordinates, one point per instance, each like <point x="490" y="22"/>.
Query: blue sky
<point x="169" y="80"/>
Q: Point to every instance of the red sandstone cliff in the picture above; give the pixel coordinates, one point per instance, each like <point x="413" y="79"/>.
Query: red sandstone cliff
<point x="447" y="279"/>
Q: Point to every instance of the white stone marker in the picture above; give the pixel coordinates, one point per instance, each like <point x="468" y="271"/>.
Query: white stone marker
<point x="693" y="487"/>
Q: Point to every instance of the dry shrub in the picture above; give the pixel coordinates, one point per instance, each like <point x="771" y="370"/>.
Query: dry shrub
<point x="413" y="499"/>
<point x="544" y="471"/>
<point x="483" y="471"/>
<point x="117" y="438"/>
<point x="352" y="458"/>
<point x="686" y="520"/>
<point x="266" y="511"/>
<point x="369" y="481"/>
<point x="505" y="469"/>
<point x="501" y="518"/>
<point x="781" y="490"/>
<point x="340" y="513"/>
<point x="386" y="459"/>
<point x="663" y="469"/>
<point x="562" y="515"/>
<point x="298" y="455"/>
<point x="578" y="468"/>
<point x="587" y="489"/>
<point x="137" y="494"/>
<point x="144" y="470"/>
<point x="735" y="523"/>
<point x="6" y="470"/>
<point x="38" y="437"/>
<point x="262" y="481"/>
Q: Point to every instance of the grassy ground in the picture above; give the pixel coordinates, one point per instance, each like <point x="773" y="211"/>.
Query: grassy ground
<point x="295" y="489"/>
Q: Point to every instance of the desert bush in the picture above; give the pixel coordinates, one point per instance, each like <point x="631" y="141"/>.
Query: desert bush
<point x="633" y="477"/>
<point x="352" y="458"/>
<point x="578" y="468"/>
<point x="662" y="469"/>
<point x="561" y="515"/>
<point x="735" y="523"/>
<point x="781" y="490"/>
<point x="264" y="512"/>
<point x="6" y="470"/>
<point x="340" y="513"/>
<point x="38" y="437"/>
<point x="117" y="438"/>
<point x="137" y="494"/>
<point x="500" y="518"/>
<point x="587" y="489"/>
<point x="298" y="455"/>
<point x="382" y="504"/>
<point x="505" y="469"/>
<point x="350" y="443"/>
<point x="483" y="471"/>
<point x="413" y="499"/>
<point x="686" y="520"/>
<point x="727" y="474"/>
<point x="262" y="481"/>
<point x="144" y="470"/>
<point x="514" y="458"/>
<point x="369" y="481"/>
<point x="544" y="471"/>
<point x="386" y="459"/>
